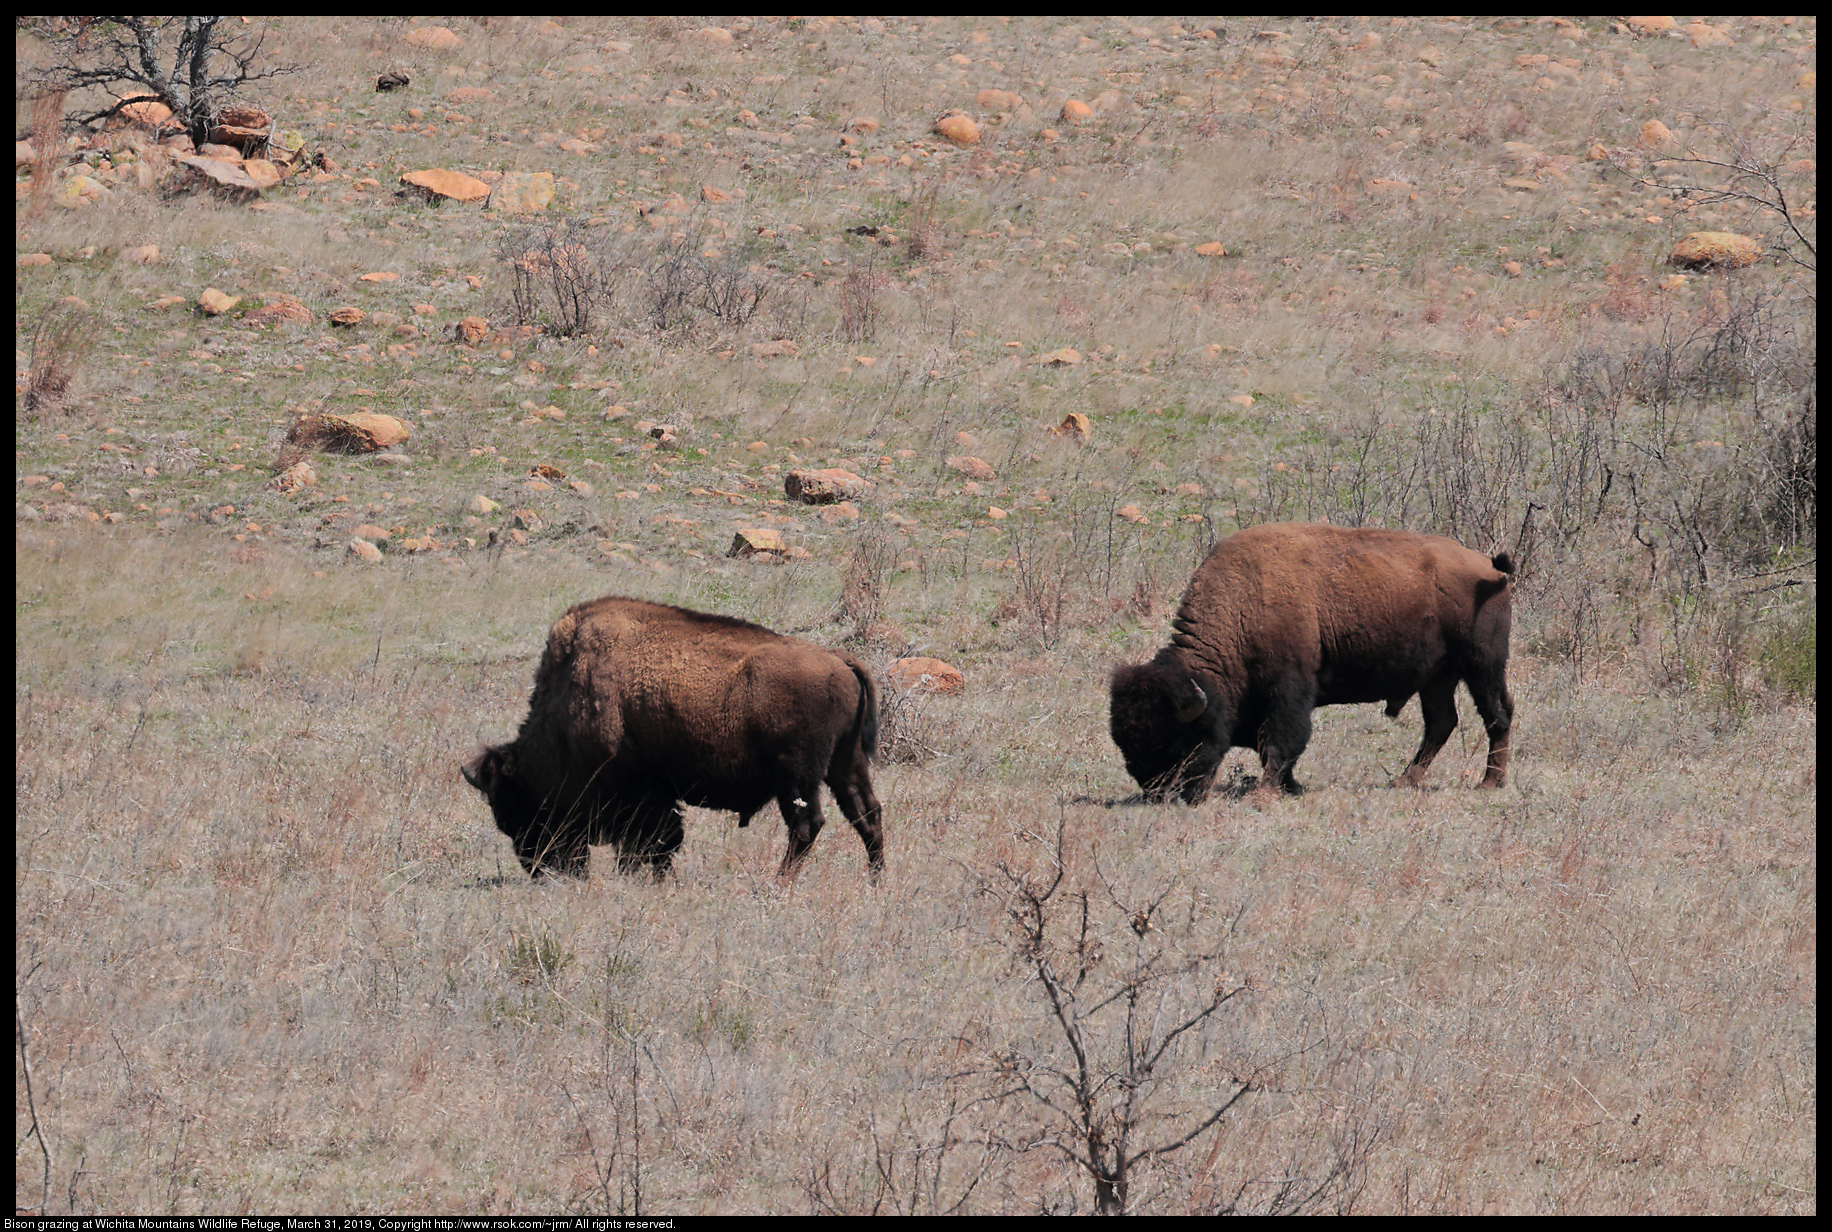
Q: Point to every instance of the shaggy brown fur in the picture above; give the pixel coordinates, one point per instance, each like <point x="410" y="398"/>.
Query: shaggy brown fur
<point x="639" y="707"/>
<point x="1281" y="619"/>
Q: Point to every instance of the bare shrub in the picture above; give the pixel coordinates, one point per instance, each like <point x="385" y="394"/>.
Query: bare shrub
<point x="906" y="726"/>
<point x="563" y="276"/>
<point x="1117" y="1080"/>
<point x="62" y="340"/>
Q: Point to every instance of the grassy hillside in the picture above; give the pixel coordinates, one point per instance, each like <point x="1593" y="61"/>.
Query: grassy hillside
<point x="272" y="953"/>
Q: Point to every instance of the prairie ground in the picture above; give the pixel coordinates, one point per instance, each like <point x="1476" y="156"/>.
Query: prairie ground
<point x="272" y="954"/>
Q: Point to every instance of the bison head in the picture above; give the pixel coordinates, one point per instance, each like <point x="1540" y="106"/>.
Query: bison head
<point x="540" y="844"/>
<point x="1158" y="723"/>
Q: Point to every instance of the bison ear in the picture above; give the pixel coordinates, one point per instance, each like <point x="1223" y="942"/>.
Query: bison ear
<point x="1190" y="700"/>
<point x="487" y="770"/>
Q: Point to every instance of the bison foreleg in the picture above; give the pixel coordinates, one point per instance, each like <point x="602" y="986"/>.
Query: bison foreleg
<point x="1438" y="703"/>
<point x="650" y="837"/>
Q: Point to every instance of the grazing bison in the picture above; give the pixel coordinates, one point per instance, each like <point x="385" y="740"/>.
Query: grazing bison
<point x="638" y="707"/>
<point x="1284" y="618"/>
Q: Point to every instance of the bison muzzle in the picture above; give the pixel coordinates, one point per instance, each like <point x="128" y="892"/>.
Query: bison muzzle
<point x="1283" y="618"/>
<point x="639" y="708"/>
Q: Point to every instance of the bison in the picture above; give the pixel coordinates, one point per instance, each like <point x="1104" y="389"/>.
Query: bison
<point x="639" y="707"/>
<point x="1283" y="618"/>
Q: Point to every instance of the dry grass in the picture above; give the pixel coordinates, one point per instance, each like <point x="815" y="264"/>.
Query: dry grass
<point x="272" y="955"/>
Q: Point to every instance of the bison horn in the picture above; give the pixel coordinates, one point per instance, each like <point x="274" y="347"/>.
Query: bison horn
<point x="1193" y="702"/>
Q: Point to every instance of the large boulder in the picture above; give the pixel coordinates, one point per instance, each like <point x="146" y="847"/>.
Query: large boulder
<point x="1715" y="250"/>
<point x="437" y="183"/>
<point x="824" y="487"/>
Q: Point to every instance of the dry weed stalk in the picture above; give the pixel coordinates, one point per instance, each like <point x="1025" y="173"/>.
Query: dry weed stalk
<point x="61" y="342"/>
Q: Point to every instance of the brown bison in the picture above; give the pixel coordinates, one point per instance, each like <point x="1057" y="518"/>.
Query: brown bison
<point x="1281" y="619"/>
<point x="638" y="707"/>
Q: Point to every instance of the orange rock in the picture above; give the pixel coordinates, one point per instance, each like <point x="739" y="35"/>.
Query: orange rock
<point x="451" y="185"/>
<point x="920" y="674"/>
<point x="434" y="38"/>
<point x="1715" y="250"/>
<point x="1074" y="111"/>
<point x="824" y="487"/>
<point x="958" y="128"/>
<point x="972" y="468"/>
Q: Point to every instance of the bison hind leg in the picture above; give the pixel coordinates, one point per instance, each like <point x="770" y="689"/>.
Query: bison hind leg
<point x="801" y="813"/>
<point x="1438" y="703"/>
<point x="1397" y="704"/>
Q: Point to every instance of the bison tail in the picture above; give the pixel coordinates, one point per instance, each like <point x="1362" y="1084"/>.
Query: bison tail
<point x="867" y="723"/>
<point x="1503" y="562"/>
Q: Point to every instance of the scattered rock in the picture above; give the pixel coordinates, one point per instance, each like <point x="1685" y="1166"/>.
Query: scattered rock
<point x="824" y="487"/>
<point x="920" y="674"/>
<point x="1074" y="426"/>
<point x="147" y="113"/>
<point x="280" y="308"/>
<point x="35" y="258"/>
<point x="224" y="174"/>
<point x="215" y="303"/>
<point x="753" y="540"/>
<point x="972" y="468"/>
<point x="438" y="183"/>
<point x="80" y="191"/>
<point x="1211" y="249"/>
<point x="434" y="38"/>
<point x="958" y="128"/>
<point x="998" y="100"/>
<point x="472" y="330"/>
<point x="347" y="315"/>
<point x="364" y="551"/>
<point x="1074" y="111"/>
<point x="481" y="504"/>
<point x="1067" y="357"/>
<point x="781" y="348"/>
<point x="295" y="477"/>
<point x="1715" y="250"/>
<point x="521" y="192"/>
<point x="708" y="36"/>
<point x="361" y="432"/>
<point x="1133" y="514"/>
<point x="1656" y="136"/>
<point x="395" y="80"/>
<point x="1650" y="25"/>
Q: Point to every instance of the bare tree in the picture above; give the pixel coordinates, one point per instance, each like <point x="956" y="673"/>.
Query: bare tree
<point x="187" y="63"/>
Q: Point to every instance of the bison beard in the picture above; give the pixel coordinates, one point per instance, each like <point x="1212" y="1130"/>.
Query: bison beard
<point x="639" y="707"/>
<point x="1283" y="618"/>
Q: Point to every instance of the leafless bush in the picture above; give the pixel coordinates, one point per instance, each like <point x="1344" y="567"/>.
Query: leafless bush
<point x="562" y="276"/>
<point x="1066" y="562"/>
<point x="906" y="727"/>
<point x="1114" y="1080"/>
<point x="684" y="281"/>
<point x="62" y="340"/>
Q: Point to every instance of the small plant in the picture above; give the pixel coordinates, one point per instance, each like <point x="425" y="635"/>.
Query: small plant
<point x="1790" y="656"/>
<point x="561" y="276"/>
<point x="538" y="958"/>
